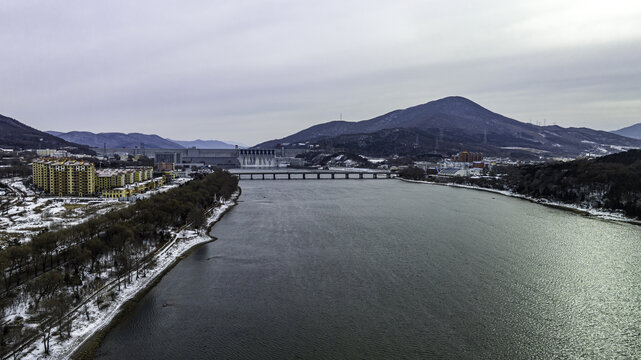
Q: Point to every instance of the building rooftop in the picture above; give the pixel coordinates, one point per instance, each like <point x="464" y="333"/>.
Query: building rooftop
<point x="62" y="161"/>
<point x="111" y="172"/>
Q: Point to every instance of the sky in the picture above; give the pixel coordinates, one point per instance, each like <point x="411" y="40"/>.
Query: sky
<point x="248" y="71"/>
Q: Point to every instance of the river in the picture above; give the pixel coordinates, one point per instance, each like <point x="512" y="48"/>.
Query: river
<point x="382" y="269"/>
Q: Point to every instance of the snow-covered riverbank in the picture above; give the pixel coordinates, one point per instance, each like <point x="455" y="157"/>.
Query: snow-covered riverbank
<point x="23" y="213"/>
<point x="98" y="314"/>
<point x="599" y="213"/>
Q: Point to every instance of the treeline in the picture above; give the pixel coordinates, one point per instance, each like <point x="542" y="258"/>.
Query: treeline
<point x="14" y="171"/>
<point x="12" y="165"/>
<point x="412" y="173"/>
<point x="56" y="270"/>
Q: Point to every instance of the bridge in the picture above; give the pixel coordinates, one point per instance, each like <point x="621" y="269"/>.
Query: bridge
<point x="312" y="175"/>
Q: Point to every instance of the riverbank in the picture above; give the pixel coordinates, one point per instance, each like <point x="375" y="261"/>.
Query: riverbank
<point x="98" y="316"/>
<point x="598" y="213"/>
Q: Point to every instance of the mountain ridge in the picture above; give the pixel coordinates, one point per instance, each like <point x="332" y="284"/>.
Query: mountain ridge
<point x="15" y="134"/>
<point x="204" y="144"/>
<point x="463" y="124"/>
<point x="115" y="140"/>
<point x="632" y="131"/>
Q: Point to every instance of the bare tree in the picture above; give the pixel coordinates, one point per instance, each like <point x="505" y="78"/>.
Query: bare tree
<point x="44" y="286"/>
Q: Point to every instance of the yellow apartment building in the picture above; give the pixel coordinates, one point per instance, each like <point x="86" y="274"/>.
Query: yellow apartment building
<point x="132" y="189"/>
<point x="79" y="178"/>
<point x="116" y="193"/>
<point x="64" y="176"/>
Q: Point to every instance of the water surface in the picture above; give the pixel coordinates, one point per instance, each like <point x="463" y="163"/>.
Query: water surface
<point x="380" y="269"/>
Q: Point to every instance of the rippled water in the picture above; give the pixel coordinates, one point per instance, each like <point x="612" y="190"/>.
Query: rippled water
<point x="382" y="269"/>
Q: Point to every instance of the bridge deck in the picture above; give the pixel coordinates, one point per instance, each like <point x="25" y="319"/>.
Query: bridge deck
<point x="313" y="175"/>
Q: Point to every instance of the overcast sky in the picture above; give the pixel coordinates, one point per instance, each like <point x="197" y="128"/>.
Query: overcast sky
<point x="249" y="70"/>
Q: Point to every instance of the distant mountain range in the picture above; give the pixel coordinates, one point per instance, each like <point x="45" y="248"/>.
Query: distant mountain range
<point x="450" y="125"/>
<point x="204" y="144"/>
<point x="633" y="131"/>
<point x="16" y="135"/>
<point x="116" y="140"/>
<point x="113" y="140"/>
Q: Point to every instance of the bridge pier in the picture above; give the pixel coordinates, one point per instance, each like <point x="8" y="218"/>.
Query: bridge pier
<point x="318" y="176"/>
<point x="332" y="176"/>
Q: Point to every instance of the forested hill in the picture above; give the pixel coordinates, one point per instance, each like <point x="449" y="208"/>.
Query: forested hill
<point x="612" y="182"/>
<point x="450" y="125"/>
<point x="16" y="135"/>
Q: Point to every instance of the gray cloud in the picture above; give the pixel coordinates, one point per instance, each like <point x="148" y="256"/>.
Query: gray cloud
<point x="254" y="70"/>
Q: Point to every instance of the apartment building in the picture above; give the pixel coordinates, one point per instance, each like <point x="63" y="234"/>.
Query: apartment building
<point x="132" y="189"/>
<point x="64" y="176"/>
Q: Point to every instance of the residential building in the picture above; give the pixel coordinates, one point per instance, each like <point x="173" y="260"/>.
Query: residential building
<point x="79" y="178"/>
<point x="165" y="166"/>
<point x="132" y="189"/>
<point x="64" y="176"/>
<point x="467" y="157"/>
<point x="52" y="153"/>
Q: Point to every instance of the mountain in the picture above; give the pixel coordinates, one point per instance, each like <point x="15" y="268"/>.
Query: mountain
<point x="449" y="125"/>
<point x="633" y="131"/>
<point x="115" y="140"/>
<point x="204" y="144"/>
<point x="14" y="134"/>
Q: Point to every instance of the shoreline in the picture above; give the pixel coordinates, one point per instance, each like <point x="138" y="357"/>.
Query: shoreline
<point x="599" y="214"/>
<point x="85" y="342"/>
<point x="86" y="350"/>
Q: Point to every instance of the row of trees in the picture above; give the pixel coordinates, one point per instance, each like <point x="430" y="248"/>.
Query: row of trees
<point x="15" y="171"/>
<point x="14" y="165"/>
<point x="412" y="173"/>
<point x="59" y="268"/>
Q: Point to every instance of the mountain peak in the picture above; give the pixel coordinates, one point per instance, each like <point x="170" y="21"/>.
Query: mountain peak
<point x="451" y="103"/>
<point x="455" y="98"/>
<point x="452" y="124"/>
<point x="633" y="131"/>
